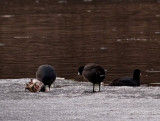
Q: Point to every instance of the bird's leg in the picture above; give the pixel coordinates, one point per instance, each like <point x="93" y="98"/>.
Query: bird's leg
<point x="49" y="87"/>
<point x="93" y="87"/>
<point x="99" y="87"/>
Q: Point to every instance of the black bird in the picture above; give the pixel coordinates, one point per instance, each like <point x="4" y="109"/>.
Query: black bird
<point x="93" y="73"/>
<point x="46" y="74"/>
<point x="128" y="81"/>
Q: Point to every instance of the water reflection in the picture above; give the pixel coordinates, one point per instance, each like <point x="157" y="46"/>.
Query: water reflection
<point x="120" y="36"/>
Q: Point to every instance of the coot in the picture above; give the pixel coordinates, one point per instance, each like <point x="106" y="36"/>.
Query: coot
<point x="128" y="81"/>
<point x="46" y="74"/>
<point x="93" y="73"/>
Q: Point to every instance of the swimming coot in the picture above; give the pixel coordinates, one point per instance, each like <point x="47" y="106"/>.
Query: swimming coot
<point x="128" y="81"/>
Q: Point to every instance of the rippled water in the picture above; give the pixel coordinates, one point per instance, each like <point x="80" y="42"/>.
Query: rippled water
<point x="118" y="35"/>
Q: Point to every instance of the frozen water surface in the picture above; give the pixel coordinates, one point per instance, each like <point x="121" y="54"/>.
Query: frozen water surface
<point x="70" y="100"/>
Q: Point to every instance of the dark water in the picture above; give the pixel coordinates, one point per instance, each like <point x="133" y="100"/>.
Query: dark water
<point x="118" y="35"/>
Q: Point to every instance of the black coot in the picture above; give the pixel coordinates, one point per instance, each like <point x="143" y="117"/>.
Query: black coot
<point x="128" y="81"/>
<point x="46" y="74"/>
<point x="93" y="73"/>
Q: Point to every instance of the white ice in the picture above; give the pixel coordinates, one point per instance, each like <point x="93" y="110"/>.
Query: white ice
<point x="70" y="100"/>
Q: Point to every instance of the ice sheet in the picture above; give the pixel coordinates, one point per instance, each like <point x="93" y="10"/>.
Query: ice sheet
<point x="70" y="100"/>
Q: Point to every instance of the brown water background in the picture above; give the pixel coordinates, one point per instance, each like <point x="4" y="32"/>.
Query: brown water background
<point x="119" y="35"/>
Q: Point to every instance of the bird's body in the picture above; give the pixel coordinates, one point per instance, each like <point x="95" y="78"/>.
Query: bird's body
<point x="93" y="73"/>
<point x="46" y="74"/>
<point x="128" y="81"/>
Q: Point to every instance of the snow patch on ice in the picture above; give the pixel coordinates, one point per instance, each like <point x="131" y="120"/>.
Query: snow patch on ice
<point x="132" y="39"/>
<point x="103" y="48"/>
<point x="62" y="1"/>
<point x="152" y="71"/>
<point x="21" y="37"/>
<point x="157" y="32"/>
<point x="87" y="0"/>
<point x="157" y="15"/>
<point x="7" y="16"/>
<point x="1" y="44"/>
